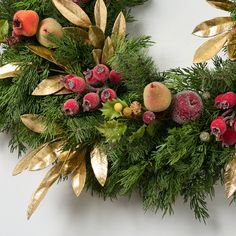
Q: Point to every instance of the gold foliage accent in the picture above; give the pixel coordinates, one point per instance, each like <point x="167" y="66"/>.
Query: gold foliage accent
<point x="225" y="5"/>
<point x="49" y="86"/>
<point x="72" y="12"/>
<point x="97" y="54"/>
<point x="210" y="48"/>
<point x="119" y="27"/>
<point x="9" y="70"/>
<point x="96" y="37"/>
<point x="99" y="164"/>
<point x="108" y="50"/>
<point x="77" y="32"/>
<point x="230" y="178"/>
<point x="100" y="14"/>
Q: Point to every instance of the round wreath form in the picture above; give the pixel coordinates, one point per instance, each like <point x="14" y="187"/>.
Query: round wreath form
<point x="91" y="104"/>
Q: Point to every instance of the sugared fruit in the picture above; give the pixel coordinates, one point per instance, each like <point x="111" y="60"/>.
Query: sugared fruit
<point x="101" y="72"/>
<point x="148" y="117"/>
<point x="71" y="107"/>
<point x="89" y="77"/>
<point x="115" y="77"/>
<point x="204" y="136"/>
<point x="225" y="101"/>
<point x="74" y="83"/>
<point x="157" y="97"/>
<point x="218" y="126"/>
<point x="108" y="95"/>
<point x="229" y="137"/>
<point x="91" y="102"/>
<point x="127" y="112"/>
<point x="118" y="107"/>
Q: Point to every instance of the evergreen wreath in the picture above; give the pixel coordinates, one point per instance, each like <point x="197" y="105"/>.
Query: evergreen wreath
<point x="91" y="104"/>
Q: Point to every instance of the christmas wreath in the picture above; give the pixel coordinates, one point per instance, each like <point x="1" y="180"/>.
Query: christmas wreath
<point x="89" y="102"/>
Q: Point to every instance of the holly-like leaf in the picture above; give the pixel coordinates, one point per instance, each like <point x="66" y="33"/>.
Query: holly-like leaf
<point x="4" y="28"/>
<point x="108" y="109"/>
<point x="138" y="134"/>
<point x="112" y="130"/>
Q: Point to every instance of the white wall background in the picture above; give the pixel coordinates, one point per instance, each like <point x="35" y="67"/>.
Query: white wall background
<point x="170" y="22"/>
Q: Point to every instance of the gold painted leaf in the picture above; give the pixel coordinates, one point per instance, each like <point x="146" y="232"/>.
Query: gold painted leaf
<point x="9" y="70"/>
<point x="24" y="163"/>
<point x="42" y="190"/>
<point x="96" y="37"/>
<point x="33" y="122"/>
<point x="63" y="91"/>
<point x="49" y="86"/>
<point x="99" y="164"/>
<point x="77" y="32"/>
<point x="100" y="14"/>
<point x="79" y="178"/>
<point x="230" y="178"/>
<point x="72" y="12"/>
<point x="231" y="51"/>
<point x="210" y="48"/>
<point x="222" y="4"/>
<point x="97" y="55"/>
<point x="108" y="50"/>
<point x="46" y="156"/>
<point x="119" y="27"/>
<point x="214" y="27"/>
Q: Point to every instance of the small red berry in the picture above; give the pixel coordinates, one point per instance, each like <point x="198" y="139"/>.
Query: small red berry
<point x="71" y="107"/>
<point x="89" y="77"/>
<point x="225" y="101"/>
<point x="218" y="126"/>
<point x="108" y="95"/>
<point x="229" y="137"/>
<point x="101" y="72"/>
<point x="90" y="101"/>
<point x="115" y="77"/>
<point x="148" y="117"/>
<point x="74" y="83"/>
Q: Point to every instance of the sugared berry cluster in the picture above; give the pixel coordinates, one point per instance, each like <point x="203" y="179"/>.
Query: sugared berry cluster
<point x="94" y="89"/>
<point x="224" y="126"/>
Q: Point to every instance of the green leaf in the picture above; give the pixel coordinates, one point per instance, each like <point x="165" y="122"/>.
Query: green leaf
<point x="152" y="128"/>
<point x="138" y="134"/>
<point x="4" y="28"/>
<point x="108" y="109"/>
<point x="112" y="130"/>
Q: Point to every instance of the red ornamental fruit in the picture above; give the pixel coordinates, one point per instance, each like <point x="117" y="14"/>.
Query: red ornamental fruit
<point x="187" y="106"/>
<point x="101" y="72"/>
<point x="115" y="77"/>
<point x="225" y="101"/>
<point x="229" y="137"/>
<point x="25" y="23"/>
<point x="90" y="79"/>
<point x="71" y="107"/>
<point x="108" y="95"/>
<point x="90" y="101"/>
<point x="148" y="117"/>
<point x="218" y="126"/>
<point x="74" y="83"/>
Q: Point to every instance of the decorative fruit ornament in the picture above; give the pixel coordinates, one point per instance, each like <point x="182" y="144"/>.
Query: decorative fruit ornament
<point x="71" y="107"/>
<point x="25" y="23"/>
<point x="118" y="107"/>
<point x="115" y="77"/>
<point x="89" y="77"/>
<point x="136" y="108"/>
<point x="218" y="127"/>
<point x="49" y="26"/>
<point x="157" y="97"/>
<point x="127" y="112"/>
<point x="108" y="95"/>
<point x="148" y="117"/>
<point x="204" y="136"/>
<point x="229" y="137"/>
<point x="74" y="83"/>
<point x="225" y="101"/>
<point x="91" y="102"/>
<point x="101" y="72"/>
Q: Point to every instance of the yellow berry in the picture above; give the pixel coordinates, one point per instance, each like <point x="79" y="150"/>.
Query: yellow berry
<point x="127" y="112"/>
<point x="118" y="107"/>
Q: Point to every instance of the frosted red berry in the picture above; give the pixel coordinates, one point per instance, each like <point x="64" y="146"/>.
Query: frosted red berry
<point x="108" y="95"/>
<point x="91" y="101"/>
<point x="89" y="77"/>
<point x="229" y="137"/>
<point x="101" y="72"/>
<point x="71" y="107"/>
<point x="218" y="127"/>
<point x="225" y="101"/>
<point x="115" y="77"/>
<point x="148" y="117"/>
<point x="187" y="106"/>
<point x="74" y="83"/>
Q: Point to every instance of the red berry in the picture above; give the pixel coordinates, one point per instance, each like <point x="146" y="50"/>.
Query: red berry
<point x="148" y="117"/>
<point x="218" y="126"/>
<point x="187" y="106"/>
<point x="225" y="101"/>
<point x="90" y="79"/>
<point x="90" y="101"/>
<point x="108" y="95"/>
<point x="74" y="83"/>
<point x="229" y="137"/>
<point x="101" y="72"/>
<point x="115" y="77"/>
<point x="71" y="107"/>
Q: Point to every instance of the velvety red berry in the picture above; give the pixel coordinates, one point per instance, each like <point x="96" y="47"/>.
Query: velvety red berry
<point x="101" y="72"/>
<point x="218" y="126"/>
<point x="71" y="107"/>
<point x="115" y="77"/>
<point x="74" y="83"/>
<point x="187" y="106"/>
<point x="89" y="77"/>
<point x="225" y="101"/>
<point x="148" y="117"/>
<point x="229" y="137"/>
<point x="91" y="101"/>
<point x="108" y="95"/>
